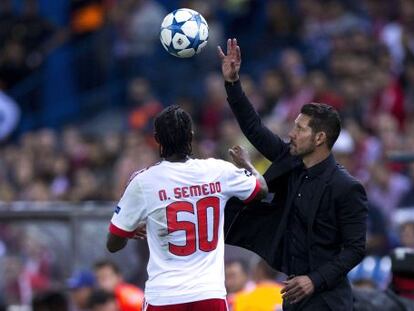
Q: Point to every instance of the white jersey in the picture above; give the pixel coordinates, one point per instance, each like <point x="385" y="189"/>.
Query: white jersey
<point x="182" y="204"/>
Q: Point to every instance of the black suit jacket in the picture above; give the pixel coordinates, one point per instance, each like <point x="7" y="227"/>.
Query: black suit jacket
<point x="260" y="226"/>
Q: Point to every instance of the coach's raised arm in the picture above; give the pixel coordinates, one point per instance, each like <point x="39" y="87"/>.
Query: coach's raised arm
<point x="314" y="229"/>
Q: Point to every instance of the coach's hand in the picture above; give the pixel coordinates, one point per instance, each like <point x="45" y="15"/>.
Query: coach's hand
<point x="240" y="157"/>
<point x="230" y="63"/>
<point x="297" y="289"/>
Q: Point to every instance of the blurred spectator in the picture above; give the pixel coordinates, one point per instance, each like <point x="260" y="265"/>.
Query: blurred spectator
<point x="389" y="98"/>
<point x="402" y="282"/>
<point x="81" y="285"/>
<point x="51" y="300"/>
<point x="214" y="109"/>
<point x="386" y="188"/>
<point x="398" y="35"/>
<point x="265" y="296"/>
<point x="367" y="150"/>
<point x="31" y="28"/>
<point x="85" y="186"/>
<point x="407" y="200"/>
<point x="324" y="20"/>
<point x="13" y="65"/>
<point x="407" y="235"/>
<point x="343" y="149"/>
<point x="101" y="300"/>
<point x="87" y="16"/>
<point x="136" y="156"/>
<point x="374" y="299"/>
<point x="236" y="278"/>
<point x="322" y="93"/>
<point x="138" y="25"/>
<point x="16" y="288"/>
<point x="109" y="278"/>
<point x="143" y="104"/>
<point x="377" y="232"/>
<point x="272" y="87"/>
<point x="282" y="24"/>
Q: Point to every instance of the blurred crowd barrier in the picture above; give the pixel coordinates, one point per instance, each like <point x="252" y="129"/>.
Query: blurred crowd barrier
<point x="41" y="245"/>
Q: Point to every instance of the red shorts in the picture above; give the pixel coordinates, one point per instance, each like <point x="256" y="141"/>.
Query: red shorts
<point x="202" y="305"/>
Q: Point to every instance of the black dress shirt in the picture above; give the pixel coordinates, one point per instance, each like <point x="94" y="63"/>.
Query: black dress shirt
<point x="296" y="249"/>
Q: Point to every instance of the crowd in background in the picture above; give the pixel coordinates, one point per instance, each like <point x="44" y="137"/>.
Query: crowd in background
<point x="357" y="56"/>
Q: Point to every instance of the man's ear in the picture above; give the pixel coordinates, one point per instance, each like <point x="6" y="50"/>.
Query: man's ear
<point x="320" y="138"/>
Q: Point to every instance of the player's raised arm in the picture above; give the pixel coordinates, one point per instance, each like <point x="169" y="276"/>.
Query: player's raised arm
<point x="241" y="158"/>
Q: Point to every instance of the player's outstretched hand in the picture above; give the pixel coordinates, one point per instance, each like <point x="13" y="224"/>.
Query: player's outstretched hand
<point x="230" y="63"/>
<point x="140" y="233"/>
<point x="240" y="156"/>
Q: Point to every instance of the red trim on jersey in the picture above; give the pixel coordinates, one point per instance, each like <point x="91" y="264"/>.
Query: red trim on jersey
<point x="120" y="232"/>
<point x="254" y="193"/>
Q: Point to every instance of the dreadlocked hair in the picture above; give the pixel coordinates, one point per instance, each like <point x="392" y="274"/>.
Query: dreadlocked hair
<point x="173" y="129"/>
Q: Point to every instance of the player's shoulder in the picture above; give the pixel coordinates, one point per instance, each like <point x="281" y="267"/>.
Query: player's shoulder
<point x="214" y="163"/>
<point x="143" y="173"/>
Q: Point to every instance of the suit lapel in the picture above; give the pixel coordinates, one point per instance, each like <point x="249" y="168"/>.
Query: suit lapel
<point x="280" y="168"/>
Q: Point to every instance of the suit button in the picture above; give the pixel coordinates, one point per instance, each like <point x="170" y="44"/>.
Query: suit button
<point x="299" y="195"/>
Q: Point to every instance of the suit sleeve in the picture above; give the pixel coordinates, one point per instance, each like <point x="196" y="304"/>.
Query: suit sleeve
<point x="264" y="140"/>
<point x="352" y="220"/>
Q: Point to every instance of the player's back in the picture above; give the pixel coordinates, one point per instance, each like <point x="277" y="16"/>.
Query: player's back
<point x="183" y="204"/>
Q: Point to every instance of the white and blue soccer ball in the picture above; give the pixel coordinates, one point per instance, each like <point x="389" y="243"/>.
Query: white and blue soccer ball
<point x="184" y="33"/>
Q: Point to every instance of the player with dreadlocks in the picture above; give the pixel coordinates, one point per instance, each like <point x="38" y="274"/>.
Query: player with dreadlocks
<point x="173" y="133"/>
<point x="181" y="201"/>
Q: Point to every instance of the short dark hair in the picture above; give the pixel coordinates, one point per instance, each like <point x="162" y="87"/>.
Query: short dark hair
<point x="324" y="118"/>
<point x="100" y="297"/>
<point x="174" y="131"/>
<point x="50" y="300"/>
<point x="107" y="263"/>
<point x="243" y="264"/>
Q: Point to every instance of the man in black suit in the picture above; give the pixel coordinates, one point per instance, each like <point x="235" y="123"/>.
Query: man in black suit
<point x="314" y="228"/>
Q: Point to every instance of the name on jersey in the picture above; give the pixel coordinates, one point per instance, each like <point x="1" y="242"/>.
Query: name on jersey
<point x="191" y="191"/>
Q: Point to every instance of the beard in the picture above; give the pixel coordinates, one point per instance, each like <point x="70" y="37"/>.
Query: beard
<point x="301" y="151"/>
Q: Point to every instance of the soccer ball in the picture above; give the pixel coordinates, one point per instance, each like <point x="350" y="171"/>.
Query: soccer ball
<point x="184" y="33"/>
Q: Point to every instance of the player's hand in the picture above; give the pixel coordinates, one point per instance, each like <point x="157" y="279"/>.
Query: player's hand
<point x="230" y="63"/>
<point x="240" y="157"/>
<point x="297" y="288"/>
<point x="140" y="233"/>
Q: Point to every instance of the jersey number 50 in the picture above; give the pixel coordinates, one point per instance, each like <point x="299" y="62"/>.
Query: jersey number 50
<point x="189" y="227"/>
